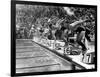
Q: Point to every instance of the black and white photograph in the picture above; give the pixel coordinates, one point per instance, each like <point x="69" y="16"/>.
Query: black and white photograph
<point x="55" y="38"/>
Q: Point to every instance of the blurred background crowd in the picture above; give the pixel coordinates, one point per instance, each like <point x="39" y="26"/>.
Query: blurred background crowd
<point x="52" y="22"/>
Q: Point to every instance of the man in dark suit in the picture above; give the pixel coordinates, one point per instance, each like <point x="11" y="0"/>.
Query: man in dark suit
<point x="82" y="33"/>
